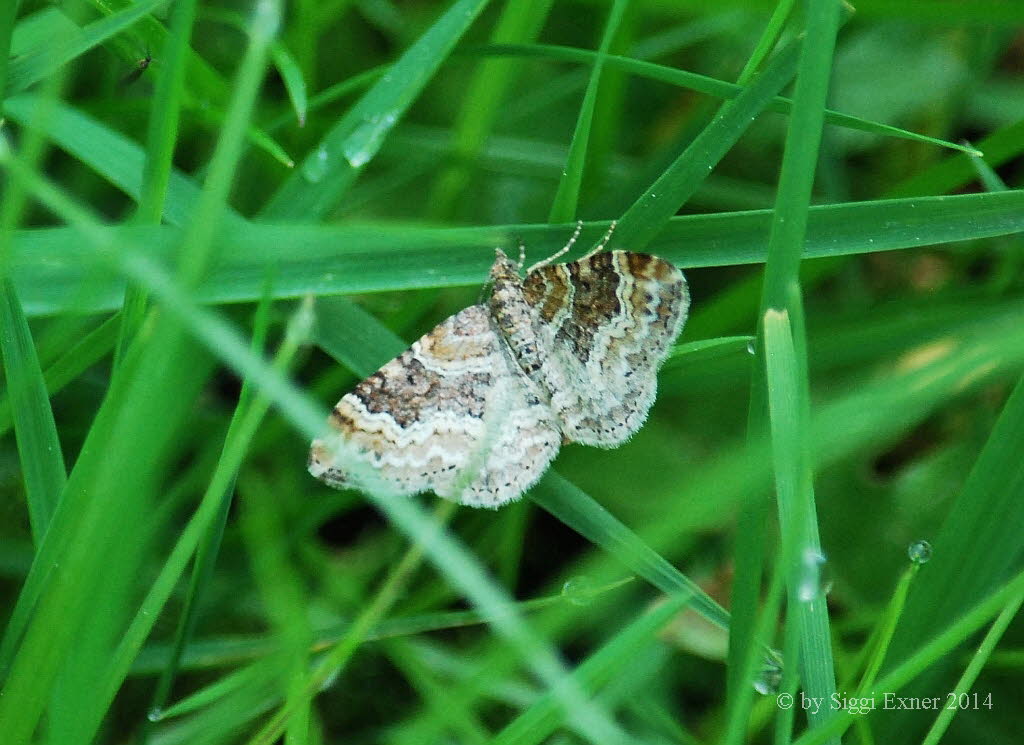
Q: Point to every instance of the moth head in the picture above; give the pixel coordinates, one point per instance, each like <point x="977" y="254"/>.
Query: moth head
<point x="503" y="267"/>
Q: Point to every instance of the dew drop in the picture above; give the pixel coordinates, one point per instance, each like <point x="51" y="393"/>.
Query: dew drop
<point x="769" y="679"/>
<point x="367" y="137"/>
<point x="919" y="552"/>
<point x="814" y="579"/>
<point x="578" y="590"/>
<point x="751" y="347"/>
<point x="155" y="714"/>
<point x="314" y="169"/>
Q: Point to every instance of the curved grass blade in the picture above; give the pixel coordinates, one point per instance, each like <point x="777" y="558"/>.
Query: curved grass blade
<point x="283" y="61"/>
<point x="974" y="549"/>
<point x="326" y="173"/>
<point x="712" y="87"/>
<point x="211" y="116"/>
<point x="294" y="83"/>
<point x="331" y="94"/>
<point x="953" y="172"/>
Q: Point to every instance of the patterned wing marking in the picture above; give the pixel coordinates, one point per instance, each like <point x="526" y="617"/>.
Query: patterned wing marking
<point x="606" y="323"/>
<point x="452" y="414"/>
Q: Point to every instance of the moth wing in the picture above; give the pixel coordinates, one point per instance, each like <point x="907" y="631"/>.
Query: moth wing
<point x="452" y="414"/>
<point x="606" y="324"/>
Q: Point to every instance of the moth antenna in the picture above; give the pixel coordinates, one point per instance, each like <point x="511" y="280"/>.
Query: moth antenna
<point x="484" y="292"/>
<point x="560" y="252"/>
<point x="604" y="241"/>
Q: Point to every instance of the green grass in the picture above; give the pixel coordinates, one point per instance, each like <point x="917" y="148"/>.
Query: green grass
<point x="181" y="305"/>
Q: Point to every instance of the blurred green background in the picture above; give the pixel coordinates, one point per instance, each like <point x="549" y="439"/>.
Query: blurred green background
<point x="292" y="192"/>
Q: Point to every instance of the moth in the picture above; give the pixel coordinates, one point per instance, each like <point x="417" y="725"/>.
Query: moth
<point x="476" y="409"/>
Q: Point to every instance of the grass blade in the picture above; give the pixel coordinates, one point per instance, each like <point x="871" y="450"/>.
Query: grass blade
<point x="520" y="21"/>
<point x="39" y="450"/>
<point x="955" y="171"/>
<point x="712" y="87"/>
<point x="972" y="552"/>
<point x="85" y="353"/>
<point x="198" y="526"/>
<point x="197" y="244"/>
<point x="580" y="512"/>
<point x="335" y="259"/>
<point x="342" y="651"/>
<point x="970" y="675"/>
<point x="324" y="175"/>
<point x="116" y="158"/>
<point x="563" y="206"/>
<point x="209" y="547"/>
<point x="950" y="637"/>
<point x="539" y="721"/>
<point x="291" y="75"/>
<point x="647" y="216"/>
<point x="161" y="138"/>
<point x="785" y="355"/>
<point x="37" y="64"/>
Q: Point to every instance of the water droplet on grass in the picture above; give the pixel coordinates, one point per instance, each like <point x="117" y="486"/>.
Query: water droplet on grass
<point x="920" y="552"/>
<point x="769" y="679"/>
<point x="366" y="139"/>
<point x="814" y="579"/>
<point x="578" y="590"/>
<point x="315" y="168"/>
